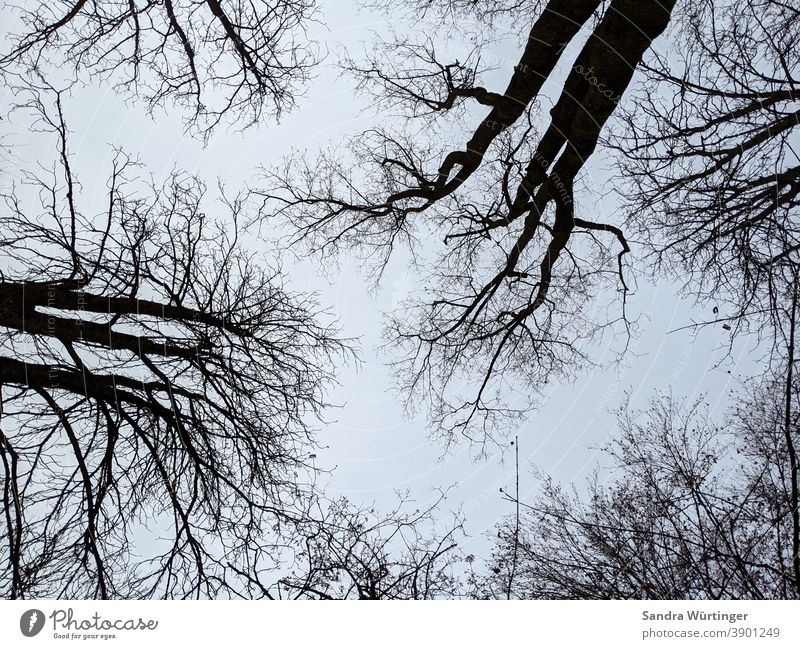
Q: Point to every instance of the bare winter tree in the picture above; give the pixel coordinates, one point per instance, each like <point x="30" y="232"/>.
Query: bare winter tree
<point x="343" y="551"/>
<point x="690" y="510"/>
<point x="710" y="165"/>
<point x="156" y="386"/>
<point x="504" y="298"/>
<point x="214" y="58"/>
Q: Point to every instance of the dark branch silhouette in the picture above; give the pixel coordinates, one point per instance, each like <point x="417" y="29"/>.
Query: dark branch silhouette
<point x="690" y="510"/>
<point x="214" y="58"/>
<point x="710" y="168"/>
<point x="504" y="298"/>
<point x="347" y="552"/>
<point x="156" y="380"/>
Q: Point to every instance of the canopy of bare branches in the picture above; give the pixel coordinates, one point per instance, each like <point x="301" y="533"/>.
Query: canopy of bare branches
<point x="710" y="157"/>
<point x="161" y="384"/>
<point x="241" y="60"/>
<point x="505" y="297"/>
<point x="154" y="374"/>
<point x="692" y="509"/>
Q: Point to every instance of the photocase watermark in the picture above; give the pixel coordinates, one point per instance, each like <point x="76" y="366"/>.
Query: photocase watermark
<point x="52" y="330"/>
<point x="589" y="75"/>
<point x="67" y="626"/>
<point x="560" y="186"/>
<point x="31" y="622"/>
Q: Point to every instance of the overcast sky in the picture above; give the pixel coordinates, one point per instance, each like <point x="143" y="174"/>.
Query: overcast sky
<point x="374" y="448"/>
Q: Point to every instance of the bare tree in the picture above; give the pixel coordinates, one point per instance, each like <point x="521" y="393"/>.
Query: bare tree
<point x="503" y="301"/>
<point x="344" y="551"/>
<point x="710" y="167"/>
<point x="212" y="57"/>
<point x="157" y="384"/>
<point x="689" y="510"/>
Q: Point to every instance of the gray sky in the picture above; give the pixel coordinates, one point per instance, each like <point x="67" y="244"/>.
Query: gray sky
<point x="374" y="448"/>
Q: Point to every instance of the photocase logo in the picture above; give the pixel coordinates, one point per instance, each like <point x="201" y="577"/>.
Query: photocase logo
<point x="31" y="622"/>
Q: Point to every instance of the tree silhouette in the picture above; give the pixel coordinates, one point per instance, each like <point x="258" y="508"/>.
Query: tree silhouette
<point x="245" y="59"/>
<point x="154" y="376"/>
<point x="344" y="551"/>
<point x="504" y="298"/>
<point x="710" y="167"/>
<point x="689" y="510"/>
